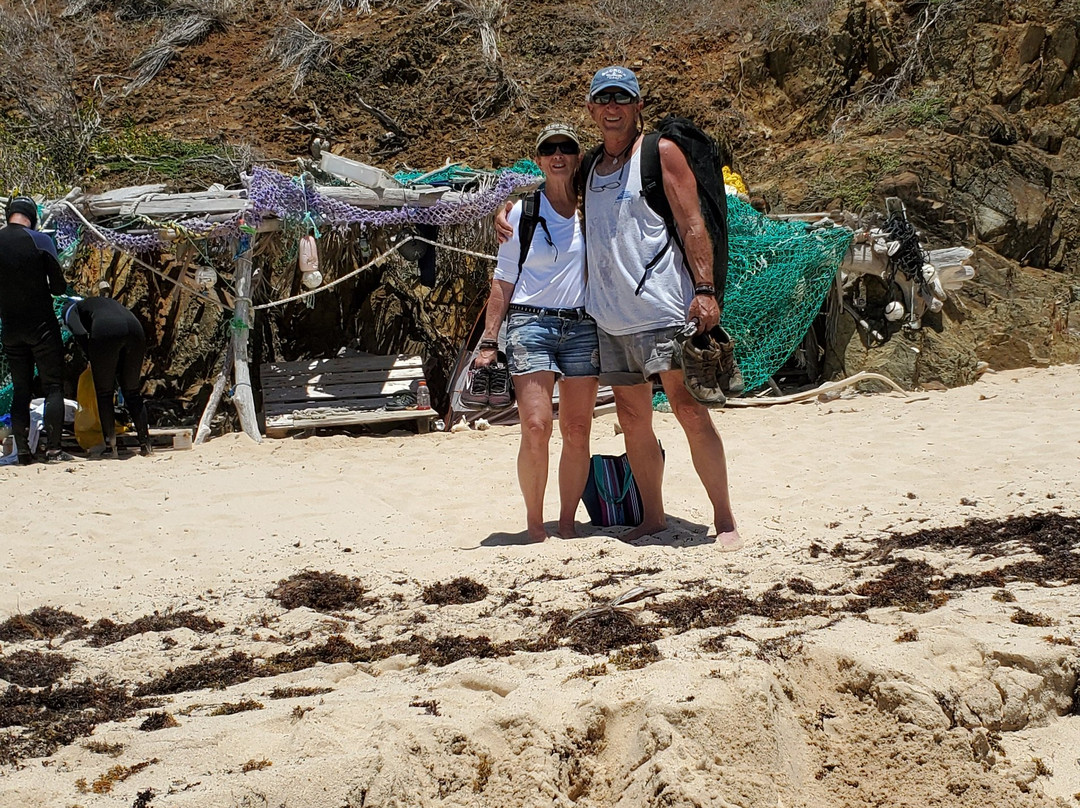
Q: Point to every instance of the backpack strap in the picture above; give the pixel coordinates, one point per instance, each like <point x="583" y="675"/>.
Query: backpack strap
<point x="530" y="217"/>
<point x="652" y="188"/>
<point x="652" y="179"/>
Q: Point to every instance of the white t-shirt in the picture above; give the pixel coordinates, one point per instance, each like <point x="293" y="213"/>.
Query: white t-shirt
<point x="624" y="235"/>
<point x="553" y="275"/>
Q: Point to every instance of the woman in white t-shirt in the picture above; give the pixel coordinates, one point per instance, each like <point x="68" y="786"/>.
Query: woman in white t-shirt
<point x="549" y="336"/>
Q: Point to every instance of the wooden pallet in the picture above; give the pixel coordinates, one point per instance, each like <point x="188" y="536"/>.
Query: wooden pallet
<point x="340" y="391"/>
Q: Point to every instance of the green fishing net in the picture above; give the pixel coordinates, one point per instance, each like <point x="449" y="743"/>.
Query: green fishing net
<point x="778" y="276"/>
<point x="459" y="174"/>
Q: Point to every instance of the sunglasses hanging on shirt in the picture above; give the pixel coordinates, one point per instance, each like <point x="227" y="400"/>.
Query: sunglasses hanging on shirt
<point x="547" y="148"/>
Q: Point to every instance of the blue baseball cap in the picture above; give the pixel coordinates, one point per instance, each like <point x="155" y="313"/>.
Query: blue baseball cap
<point x="615" y="77"/>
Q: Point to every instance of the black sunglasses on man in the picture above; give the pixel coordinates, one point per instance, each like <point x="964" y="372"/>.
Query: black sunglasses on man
<point x="620" y="97"/>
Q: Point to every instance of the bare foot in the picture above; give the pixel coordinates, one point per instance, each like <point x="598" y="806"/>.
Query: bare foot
<point x="537" y="534"/>
<point x="568" y="530"/>
<point x="728" y="541"/>
<point x="643" y="530"/>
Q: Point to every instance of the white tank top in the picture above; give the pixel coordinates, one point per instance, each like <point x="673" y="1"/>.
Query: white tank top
<point x="622" y="235"/>
<point x="553" y="275"/>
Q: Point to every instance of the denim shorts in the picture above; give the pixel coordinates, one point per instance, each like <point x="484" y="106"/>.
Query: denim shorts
<point x="637" y="358"/>
<point x="536" y="342"/>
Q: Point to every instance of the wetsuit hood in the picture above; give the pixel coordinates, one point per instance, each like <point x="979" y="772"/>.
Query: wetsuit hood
<point x="24" y="205"/>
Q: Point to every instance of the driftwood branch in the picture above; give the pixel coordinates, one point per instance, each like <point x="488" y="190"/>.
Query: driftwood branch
<point x="242" y="396"/>
<point x="203" y="432"/>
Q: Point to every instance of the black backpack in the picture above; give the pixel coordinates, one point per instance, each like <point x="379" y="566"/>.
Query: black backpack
<point x="530" y="218"/>
<point x="705" y="159"/>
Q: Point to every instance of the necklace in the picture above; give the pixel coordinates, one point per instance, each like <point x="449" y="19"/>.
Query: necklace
<point x="621" y="155"/>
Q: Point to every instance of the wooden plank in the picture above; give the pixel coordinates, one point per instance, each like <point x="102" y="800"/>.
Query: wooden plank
<point x="354" y="170"/>
<point x="173" y="205"/>
<point x="280" y="427"/>
<point x="365" y="404"/>
<point x="344" y="363"/>
<point x="110" y="202"/>
<point x="389" y="197"/>
<point x="349" y="377"/>
<point x="323" y="393"/>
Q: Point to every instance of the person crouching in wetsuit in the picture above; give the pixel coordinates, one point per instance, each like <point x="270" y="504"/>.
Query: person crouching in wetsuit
<point x="30" y="275"/>
<point x="114" y="342"/>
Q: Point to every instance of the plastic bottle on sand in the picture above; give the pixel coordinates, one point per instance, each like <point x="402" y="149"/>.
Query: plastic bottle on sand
<point x="423" y="397"/>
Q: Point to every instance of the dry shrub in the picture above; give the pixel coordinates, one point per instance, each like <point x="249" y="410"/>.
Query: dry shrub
<point x="321" y="591"/>
<point x="298" y="48"/>
<point x="766" y="20"/>
<point x="193" y="27"/>
<point x="49" y="111"/>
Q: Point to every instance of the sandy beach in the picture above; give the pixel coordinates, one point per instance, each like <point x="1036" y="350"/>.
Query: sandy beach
<point x="861" y="650"/>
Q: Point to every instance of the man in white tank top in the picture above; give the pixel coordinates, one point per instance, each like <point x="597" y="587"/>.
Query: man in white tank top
<point x="637" y="310"/>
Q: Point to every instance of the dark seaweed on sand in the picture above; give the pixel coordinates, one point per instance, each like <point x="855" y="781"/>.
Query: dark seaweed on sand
<point x="297" y="691"/>
<point x="35" y="723"/>
<point x="1051" y="536"/>
<point x="38" y="722"/>
<point x="106" y="632"/>
<point x="595" y="635"/>
<point x="905" y="585"/>
<point x="459" y="590"/>
<point x="35" y="668"/>
<point x="43" y="623"/>
<point x="159" y="720"/>
<point x="321" y="591"/>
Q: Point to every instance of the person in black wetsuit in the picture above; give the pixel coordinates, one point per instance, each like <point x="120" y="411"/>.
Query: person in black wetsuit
<point x="30" y="275"/>
<point x="114" y="342"/>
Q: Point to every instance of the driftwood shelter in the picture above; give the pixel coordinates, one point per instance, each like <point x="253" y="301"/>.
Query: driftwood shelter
<point x="222" y="260"/>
